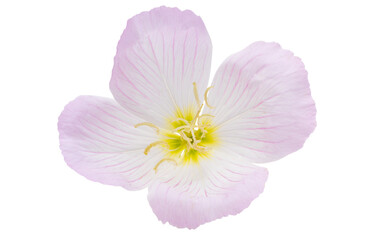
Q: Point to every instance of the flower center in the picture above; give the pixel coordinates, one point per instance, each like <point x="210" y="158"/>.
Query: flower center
<point x="189" y="136"/>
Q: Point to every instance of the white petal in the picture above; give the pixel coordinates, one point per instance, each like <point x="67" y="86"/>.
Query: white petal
<point x="193" y="194"/>
<point x="160" y="54"/>
<point x="263" y="104"/>
<point x="98" y="140"/>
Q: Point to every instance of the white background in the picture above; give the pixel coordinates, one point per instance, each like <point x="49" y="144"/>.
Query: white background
<point x="53" y="51"/>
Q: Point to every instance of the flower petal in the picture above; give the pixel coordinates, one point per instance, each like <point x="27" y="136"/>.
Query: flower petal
<point x="160" y="54"/>
<point x="265" y="110"/>
<point x="98" y="140"/>
<point x="191" y="195"/>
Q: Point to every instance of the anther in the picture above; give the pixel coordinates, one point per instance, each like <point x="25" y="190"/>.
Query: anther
<point x="193" y="135"/>
<point x="149" y="125"/>
<point x="200" y="148"/>
<point x="197" y="115"/>
<point x="163" y="160"/>
<point x="180" y="119"/>
<point x="195" y="90"/>
<point x="148" y="148"/>
<point x="182" y="128"/>
<point x="206" y="97"/>
<point x="188" y="140"/>
<point x="205" y="115"/>
<point x="203" y="131"/>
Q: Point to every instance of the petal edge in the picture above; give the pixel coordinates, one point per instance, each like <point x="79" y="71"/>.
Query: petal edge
<point x="98" y="141"/>
<point x="160" y="54"/>
<point x="179" y="208"/>
<point x="266" y="110"/>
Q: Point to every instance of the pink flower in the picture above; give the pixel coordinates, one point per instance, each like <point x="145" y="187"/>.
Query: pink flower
<point x="192" y="146"/>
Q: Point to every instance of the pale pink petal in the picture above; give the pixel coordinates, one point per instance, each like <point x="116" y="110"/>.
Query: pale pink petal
<point x="191" y="195"/>
<point x="98" y="140"/>
<point x="263" y="104"/>
<point x="160" y="54"/>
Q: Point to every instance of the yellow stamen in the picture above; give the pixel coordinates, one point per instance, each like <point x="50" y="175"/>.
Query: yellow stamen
<point x="149" y="125"/>
<point x="180" y="119"/>
<point x="204" y="115"/>
<point x="148" y="148"/>
<point x="196" y="93"/>
<point x="181" y="128"/>
<point x="201" y="148"/>
<point x="206" y="97"/>
<point x="163" y="160"/>
<point x="189" y="137"/>
<point x="188" y="140"/>
<point x="197" y="115"/>
<point x="193" y="135"/>
<point x="203" y="131"/>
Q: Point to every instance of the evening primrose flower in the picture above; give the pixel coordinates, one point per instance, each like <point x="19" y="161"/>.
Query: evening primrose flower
<point x="194" y="146"/>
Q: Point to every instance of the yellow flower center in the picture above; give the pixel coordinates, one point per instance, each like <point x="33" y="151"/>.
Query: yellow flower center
<point x="189" y="135"/>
